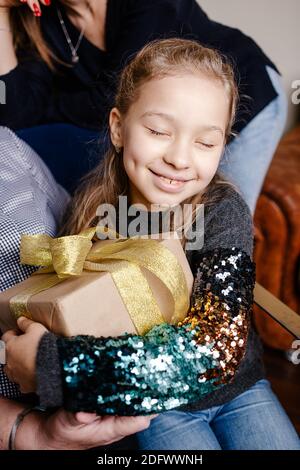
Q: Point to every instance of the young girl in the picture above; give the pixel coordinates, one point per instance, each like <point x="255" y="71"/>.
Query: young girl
<point x="173" y="113"/>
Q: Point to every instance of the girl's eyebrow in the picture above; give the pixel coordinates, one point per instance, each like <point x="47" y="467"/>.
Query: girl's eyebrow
<point x="213" y="128"/>
<point x="171" y="118"/>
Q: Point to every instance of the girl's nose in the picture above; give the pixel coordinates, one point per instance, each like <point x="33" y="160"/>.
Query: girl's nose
<point x="178" y="156"/>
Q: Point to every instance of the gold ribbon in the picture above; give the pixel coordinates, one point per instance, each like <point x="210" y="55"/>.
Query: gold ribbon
<point x="123" y="259"/>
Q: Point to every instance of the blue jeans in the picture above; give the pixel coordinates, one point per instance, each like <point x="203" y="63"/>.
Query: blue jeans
<point x="254" y="420"/>
<point x="247" y="158"/>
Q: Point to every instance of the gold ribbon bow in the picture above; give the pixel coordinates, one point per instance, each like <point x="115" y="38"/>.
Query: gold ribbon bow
<point x="123" y="258"/>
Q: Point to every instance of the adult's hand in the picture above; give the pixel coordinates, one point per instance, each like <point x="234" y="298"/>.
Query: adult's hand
<point x="65" y="430"/>
<point x="34" y="5"/>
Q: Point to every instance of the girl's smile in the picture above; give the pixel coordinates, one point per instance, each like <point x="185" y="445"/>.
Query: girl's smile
<point x="168" y="184"/>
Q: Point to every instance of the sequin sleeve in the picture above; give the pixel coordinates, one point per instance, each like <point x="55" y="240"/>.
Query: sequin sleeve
<point x="171" y="365"/>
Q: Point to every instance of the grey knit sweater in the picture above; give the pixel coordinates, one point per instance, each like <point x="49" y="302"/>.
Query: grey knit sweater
<point x="228" y="224"/>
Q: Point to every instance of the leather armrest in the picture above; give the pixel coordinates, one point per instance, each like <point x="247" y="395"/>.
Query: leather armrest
<point x="277" y="237"/>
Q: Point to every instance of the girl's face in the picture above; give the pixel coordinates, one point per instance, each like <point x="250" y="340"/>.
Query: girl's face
<point x="173" y="137"/>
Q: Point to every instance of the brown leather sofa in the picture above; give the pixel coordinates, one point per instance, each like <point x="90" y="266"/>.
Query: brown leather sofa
<point x="277" y="237"/>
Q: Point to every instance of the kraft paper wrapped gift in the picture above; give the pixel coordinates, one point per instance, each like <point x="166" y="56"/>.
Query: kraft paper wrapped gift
<point x="106" y="288"/>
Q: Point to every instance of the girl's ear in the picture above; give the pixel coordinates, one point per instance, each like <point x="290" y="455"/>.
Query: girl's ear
<point x="115" y="126"/>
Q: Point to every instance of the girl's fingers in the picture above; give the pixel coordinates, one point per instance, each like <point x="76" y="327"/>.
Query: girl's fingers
<point x="24" y="324"/>
<point x="8" y="335"/>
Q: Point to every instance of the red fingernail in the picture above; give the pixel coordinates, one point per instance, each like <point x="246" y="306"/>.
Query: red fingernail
<point x="23" y="1"/>
<point x="37" y="11"/>
<point x="48" y="2"/>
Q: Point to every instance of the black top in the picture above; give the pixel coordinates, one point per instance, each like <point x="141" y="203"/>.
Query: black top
<point x="83" y="94"/>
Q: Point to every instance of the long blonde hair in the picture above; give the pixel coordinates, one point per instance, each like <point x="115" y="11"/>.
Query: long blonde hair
<point x="159" y="58"/>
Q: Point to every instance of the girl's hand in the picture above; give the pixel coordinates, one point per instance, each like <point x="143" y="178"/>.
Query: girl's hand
<point x="21" y="351"/>
<point x="34" y="5"/>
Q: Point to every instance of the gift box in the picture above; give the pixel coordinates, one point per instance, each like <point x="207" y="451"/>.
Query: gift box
<point x="121" y="286"/>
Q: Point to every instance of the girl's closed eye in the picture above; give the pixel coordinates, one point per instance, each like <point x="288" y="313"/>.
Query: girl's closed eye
<point x="158" y="133"/>
<point x="154" y="132"/>
<point x="206" y="145"/>
<point x="162" y="133"/>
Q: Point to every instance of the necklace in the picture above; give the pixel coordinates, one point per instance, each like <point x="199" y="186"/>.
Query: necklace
<point x="75" y="57"/>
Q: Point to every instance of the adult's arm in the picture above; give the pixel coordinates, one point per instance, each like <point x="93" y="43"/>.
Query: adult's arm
<point x="7" y="52"/>
<point x="61" y="430"/>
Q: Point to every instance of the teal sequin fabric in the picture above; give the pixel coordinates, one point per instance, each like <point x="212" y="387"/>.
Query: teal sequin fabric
<point x="171" y="365"/>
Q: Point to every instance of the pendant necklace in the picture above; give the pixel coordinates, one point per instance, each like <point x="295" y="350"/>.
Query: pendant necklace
<point x="75" y="57"/>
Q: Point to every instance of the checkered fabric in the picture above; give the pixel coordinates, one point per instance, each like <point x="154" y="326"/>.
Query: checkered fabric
<point x="30" y="202"/>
